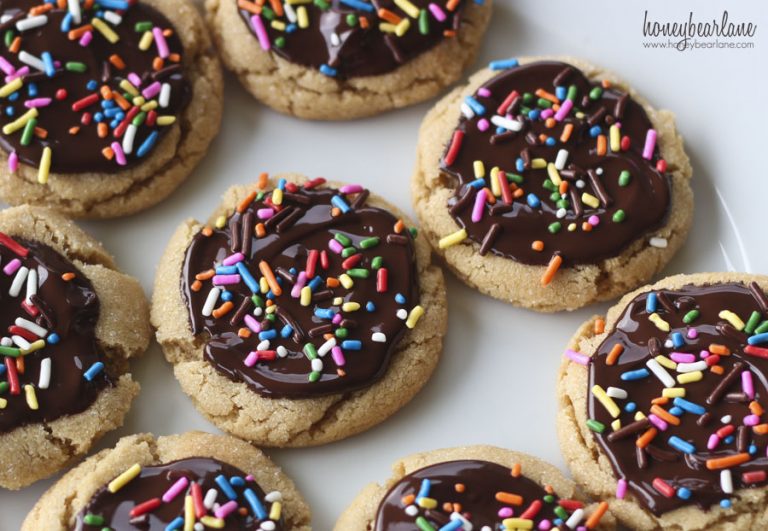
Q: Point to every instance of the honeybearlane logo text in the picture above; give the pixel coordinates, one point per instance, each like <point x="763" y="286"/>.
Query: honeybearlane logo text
<point x="693" y="33"/>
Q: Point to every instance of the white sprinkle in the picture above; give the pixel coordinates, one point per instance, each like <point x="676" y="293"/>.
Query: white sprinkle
<point x="210" y="498"/>
<point x="326" y="347"/>
<point x="467" y="111"/>
<point x="726" y="419"/>
<point x="402" y="313"/>
<point x="290" y="13"/>
<point x="317" y="365"/>
<point x="31" y="284"/>
<point x="411" y="510"/>
<point x="32" y="327"/>
<point x="580" y="184"/>
<point x="379" y="337"/>
<point x="274" y="496"/>
<point x="258" y="312"/>
<point x="31" y="22"/>
<point x="31" y="60"/>
<point x="5" y="18"/>
<point x="466" y="524"/>
<point x="282" y="351"/>
<point x="659" y="242"/>
<point x="486" y="528"/>
<point x="599" y="171"/>
<point x="128" y="138"/>
<point x="660" y="373"/>
<point x="561" y="159"/>
<point x="210" y="301"/>
<point x="561" y="213"/>
<point x="692" y="367"/>
<point x="18" y="281"/>
<point x="20" y="342"/>
<point x="113" y="18"/>
<point x="726" y="481"/>
<point x="616" y="392"/>
<point x="165" y="95"/>
<point x="45" y="374"/>
<point x="264" y="345"/>
<point x="267" y="525"/>
<point x="668" y="343"/>
<point x="506" y="123"/>
<point x="335" y="41"/>
<point x="74" y="9"/>
<point x="6" y="341"/>
<point x="575" y="518"/>
<point x="198" y="527"/>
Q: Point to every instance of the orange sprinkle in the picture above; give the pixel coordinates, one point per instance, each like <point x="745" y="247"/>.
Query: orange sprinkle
<point x="606" y="83"/>
<point x="205" y="275"/>
<point x="196" y="286"/>
<point x="614" y="354"/>
<point x="88" y="4"/>
<point x="541" y="93"/>
<point x="720" y="350"/>
<point x="549" y="489"/>
<point x="271" y="280"/>
<point x="207" y="231"/>
<point x="407" y="500"/>
<point x="389" y="16"/>
<point x="399" y="226"/>
<point x="518" y="193"/>
<point x="563" y="188"/>
<point x="41" y="133"/>
<point x="102" y="130"/>
<point x="552" y="267"/>
<point x="174" y="58"/>
<point x="74" y="130"/>
<point x="20" y="364"/>
<point x="538" y="245"/>
<point x="516" y="470"/>
<point x="646" y="438"/>
<point x="447" y="507"/>
<point x="332" y="282"/>
<point x="363" y="22"/>
<point x="761" y="429"/>
<point x="452" y="4"/>
<point x="62" y="4"/>
<point x="15" y="45"/>
<point x="158" y="63"/>
<point x="602" y="145"/>
<point x="665" y="415"/>
<point x="594" y="519"/>
<point x="449" y="34"/>
<point x="660" y="400"/>
<point x="244" y="333"/>
<point x="117" y="61"/>
<point x="39" y="10"/>
<point x="566" y="134"/>
<point x="335" y="212"/>
<point x="121" y="101"/>
<point x="223" y="310"/>
<point x="328" y="336"/>
<point x="106" y="92"/>
<point x="252" y="8"/>
<point x="66" y="277"/>
<point x="509" y="498"/>
<point x="586" y="227"/>
<point x="756" y="408"/>
<point x="76" y="33"/>
<point x="489" y="196"/>
<point x="277" y="7"/>
<point x="543" y="138"/>
<point x="459" y="487"/>
<point x="599" y="326"/>
<point x="727" y="462"/>
<point x="717" y="369"/>
<point x="246" y="202"/>
<point x="168" y="32"/>
<point x="270" y="302"/>
<point x="263" y="178"/>
<point x="108" y="153"/>
<point x="261" y="230"/>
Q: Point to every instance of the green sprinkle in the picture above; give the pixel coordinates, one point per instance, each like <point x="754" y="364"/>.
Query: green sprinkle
<point x="624" y="178"/>
<point x="752" y="323"/>
<point x="414" y="232"/>
<point x="555" y="227"/>
<point x="141" y="27"/>
<point x="310" y="351"/>
<point x="370" y="242"/>
<point x="549" y="498"/>
<point x="515" y="178"/>
<point x="549" y="185"/>
<point x="423" y="22"/>
<point x="424" y="525"/>
<point x="358" y="273"/>
<point x="691" y="316"/>
<point x="260" y="196"/>
<point x="314" y="376"/>
<point x="271" y="317"/>
<point x="342" y="333"/>
<point x="322" y="4"/>
<point x="267" y="13"/>
<point x="619" y="216"/>
<point x="528" y="98"/>
<point x="342" y="239"/>
<point x="351" y="20"/>
<point x="280" y="42"/>
<point x="29" y="132"/>
<point x="348" y="251"/>
<point x="562" y="203"/>
<point x="377" y="262"/>
<point x="10" y="351"/>
<point x="572" y="93"/>
<point x="257" y="301"/>
<point x="8" y="38"/>
<point x="554" y="196"/>
<point x="4" y="387"/>
<point x="93" y="519"/>
<point x="595" y="93"/>
<point x="524" y="109"/>
<point x="763" y="328"/>
<point x="561" y="513"/>
<point x="541" y="102"/>
<point x="595" y="425"/>
<point x="75" y="66"/>
<point x="139" y="119"/>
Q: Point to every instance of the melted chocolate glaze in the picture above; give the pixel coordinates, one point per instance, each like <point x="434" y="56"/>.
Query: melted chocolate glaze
<point x="305" y="223"/>
<point x="640" y="337"/>
<point x="360" y="51"/>
<point x="70" y="309"/>
<point x="154" y="481"/>
<point x="645" y="200"/>
<point x="481" y="481"/>
<point x="81" y="153"/>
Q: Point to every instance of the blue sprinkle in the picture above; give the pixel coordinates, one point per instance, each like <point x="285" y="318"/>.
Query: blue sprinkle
<point x="226" y="270"/>
<point x="638" y="374"/>
<point x="93" y="371"/>
<point x="480" y="2"/>
<point x="98" y="117"/>
<point x="370" y="306"/>
<point x="13" y="97"/>
<point x="3" y="368"/>
<point x="315" y="283"/>
<point x="533" y="201"/>
<point x="107" y="104"/>
<point x="683" y="493"/>
<point x="339" y="203"/>
<point x="550" y="141"/>
<point x="503" y="64"/>
<point x="281" y="184"/>
<point x="457" y="524"/>
<point x="757" y="339"/>
<point x="352" y="344"/>
<point x="224" y="485"/>
<point x="50" y="69"/>
<point x="676" y="411"/>
<point x="688" y="406"/>
<point x="558" y="522"/>
<point x="9" y="111"/>
<point x="424" y="489"/>
<point x="256" y="506"/>
<point x="328" y="71"/>
<point x="561" y="92"/>
<point x="477" y="183"/>
<point x="533" y="114"/>
<point x="677" y="339"/>
<point x="631" y="407"/>
<point x="120" y="116"/>
<point x="679" y="444"/>
<point x="324" y="313"/>
<point x="357" y="4"/>
<point x="246" y="276"/>
<point x="293" y="271"/>
<point x="114" y="123"/>
<point x="113" y="4"/>
<point x="32" y="90"/>
<point x="729" y="439"/>
<point x="475" y="105"/>
<point x="148" y="144"/>
<point x="226" y="296"/>
<point x="725" y="504"/>
<point x="519" y="165"/>
<point x="290" y="28"/>
<point x="268" y="334"/>
<point x="500" y="130"/>
<point x="92" y="85"/>
<point x="175" y="524"/>
<point x="400" y="298"/>
<point x="594" y="131"/>
<point x="237" y="481"/>
<point x="752" y="449"/>
<point x="111" y="112"/>
<point x="270" y="295"/>
<point x="286" y="331"/>
<point x="66" y="23"/>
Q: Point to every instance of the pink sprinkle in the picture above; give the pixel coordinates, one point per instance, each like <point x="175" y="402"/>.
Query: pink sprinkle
<point x="119" y="153"/>
<point x="23" y="71"/>
<point x="693" y="333"/>
<point x="251" y="358"/>
<point x="135" y="80"/>
<point x="160" y="42"/>
<point x="704" y="354"/>
<point x="650" y="144"/>
<point x="351" y="189"/>
<point x="252" y="323"/>
<point x="563" y="111"/>
<point x="483" y="124"/>
<point x="659" y="423"/>
<point x="261" y="32"/>
<point x="13" y="162"/>
<point x="546" y="113"/>
<point x="713" y="441"/>
<point x="224" y="510"/>
<point x="336" y="319"/>
<point x="438" y="13"/>
<point x="335" y="246"/>
<point x="751" y="420"/>
<point x="86" y="39"/>
<point x="621" y="489"/>
<point x="477" y="210"/>
<point x="225" y="280"/>
<point x="506" y="512"/>
<point x="682" y="357"/>
<point x="175" y="489"/>
<point x="594" y="220"/>
<point x="233" y="259"/>
<point x="152" y="90"/>
<point x="545" y="525"/>
<point x="265" y="213"/>
<point x="301" y="281"/>
<point x="249" y="478"/>
<point x="12" y="266"/>
<point x="577" y="357"/>
<point x="37" y="102"/>
<point x="5" y="66"/>
<point x="338" y="356"/>
<point x="484" y="92"/>
<point x="746" y="384"/>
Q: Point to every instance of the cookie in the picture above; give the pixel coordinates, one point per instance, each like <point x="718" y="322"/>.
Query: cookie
<point x="331" y="60"/>
<point x="662" y="404"/>
<point x="191" y="481"/>
<point x="474" y="487"/>
<point x="107" y="106"/>
<point x="301" y="313"/>
<point x="72" y="322"/>
<point x="551" y="184"/>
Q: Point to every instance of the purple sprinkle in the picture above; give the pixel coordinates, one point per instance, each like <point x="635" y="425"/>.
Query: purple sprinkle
<point x="265" y="213"/>
<point x="338" y="356"/>
<point x="12" y="266"/>
<point x="251" y="359"/>
<point x="252" y="323"/>
<point x="693" y="333"/>
<point x="594" y="220"/>
<point x="335" y="246"/>
<point x="483" y="124"/>
<point x="351" y="189"/>
<point x="577" y="357"/>
<point x="225" y="280"/>
<point x="484" y="92"/>
<point x="233" y="259"/>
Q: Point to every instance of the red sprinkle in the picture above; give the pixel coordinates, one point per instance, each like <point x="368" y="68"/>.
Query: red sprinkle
<point x="23" y="332"/>
<point x="663" y="487"/>
<point x="625" y="143"/>
<point x="324" y="263"/>
<point x="453" y="151"/>
<point x="502" y="110"/>
<point x="89" y="100"/>
<point x="570" y="505"/>
<point x="31" y="309"/>
<point x="381" y="280"/>
<point x="314" y="183"/>
<point x="532" y="510"/>
<point x="312" y="262"/>
<point x="725" y="431"/>
<point x="756" y="476"/>
<point x="61" y="94"/>
<point x="147" y="506"/>
<point x="352" y="261"/>
<point x="197" y="498"/>
<point x="13" y="245"/>
<point x="756" y="351"/>
<point x="712" y="359"/>
<point x="661" y="165"/>
<point x="13" y="375"/>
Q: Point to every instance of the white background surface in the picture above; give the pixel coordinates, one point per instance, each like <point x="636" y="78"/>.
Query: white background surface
<point x="495" y="382"/>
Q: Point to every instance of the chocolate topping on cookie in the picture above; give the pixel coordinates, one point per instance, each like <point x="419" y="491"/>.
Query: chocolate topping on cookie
<point x="90" y="87"/>
<point x="351" y="38"/>
<point x="52" y="364"/>
<point x="551" y="168"/>
<point x="302" y="291"/>
<point x="479" y="495"/>
<point x="677" y="392"/>
<point x="180" y="494"/>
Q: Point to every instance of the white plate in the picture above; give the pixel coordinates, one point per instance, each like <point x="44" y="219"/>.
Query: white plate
<point x="495" y="382"/>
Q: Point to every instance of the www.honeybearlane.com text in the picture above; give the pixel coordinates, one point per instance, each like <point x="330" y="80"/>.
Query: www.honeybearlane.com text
<point x="692" y="28"/>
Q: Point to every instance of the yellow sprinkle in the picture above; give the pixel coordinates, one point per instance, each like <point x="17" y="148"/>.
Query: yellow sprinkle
<point x="10" y="88"/>
<point x="263" y="285"/>
<point x="138" y="101"/>
<point x="271" y="309"/>
<point x="189" y="514"/>
<point x="689" y="377"/>
<point x="302" y="17"/>
<point x="20" y="122"/>
<point x="338" y="301"/>
<point x="495" y="188"/>
<point x="105" y="30"/>
<point x="306" y="296"/>
<point x="517" y="523"/>
<point x="538" y="164"/>
<point x="221" y="222"/>
<point x="572" y="227"/>
<point x="666" y="362"/>
<point x="146" y="41"/>
<point x="3" y="403"/>
<point x="350" y="306"/>
<point x="673" y="392"/>
<point x="386" y="27"/>
<point x="639" y="415"/>
<point x="346" y="281"/>
<point x="732" y="318"/>
<point x="427" y="503"/>
<point x="452" y="239"/>
<point x="149" y="106"/>
<point x="616" y="425"/>
<point x="166" y="120"/>
<point x="414" y="316"/>
<point x="660" y="323"/>
<point x="554" y="175"/>
<point x="35" y="345"/>
<point x="129" y="88"/>
<point x="277" y="196"/>
<point x="279" y="25"/>
<point x="589" y="199"/>
<point x="606" y="400"/>
<point x="123" y="479"/>
<point x="410" y="9"/>
<point x="29" y="390"/>
<point x="214" y="523"/>
<point x="479" y="168"/>
<point x="275" y="511"/>
<point x="45" y="166"/>
<point x="615" y="137"/>
<point x="402" y="27"/>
